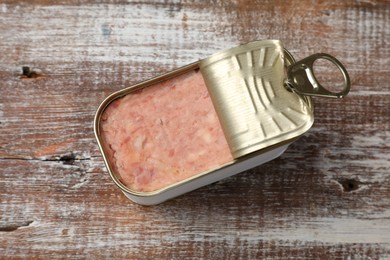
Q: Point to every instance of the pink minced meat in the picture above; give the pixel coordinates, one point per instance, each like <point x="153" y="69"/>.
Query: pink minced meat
<point x="164" y="133"/>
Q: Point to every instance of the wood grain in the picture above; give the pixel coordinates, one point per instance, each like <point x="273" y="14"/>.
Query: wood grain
<point x="327" y="197"/>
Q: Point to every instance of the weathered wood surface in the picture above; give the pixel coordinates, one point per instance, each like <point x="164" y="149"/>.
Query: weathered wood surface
<point x="327" y="197"/>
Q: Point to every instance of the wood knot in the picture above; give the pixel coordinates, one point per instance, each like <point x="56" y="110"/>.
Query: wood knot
<point x="349" y="184"/>
<point x="68" y="159"/>
<point x="27" y="73"/>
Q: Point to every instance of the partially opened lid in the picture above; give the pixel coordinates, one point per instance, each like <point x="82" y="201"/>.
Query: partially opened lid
<point x="256" y="110"/>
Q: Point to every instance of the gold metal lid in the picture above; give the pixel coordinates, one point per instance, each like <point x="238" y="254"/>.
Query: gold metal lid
<point x="247" y="87"/>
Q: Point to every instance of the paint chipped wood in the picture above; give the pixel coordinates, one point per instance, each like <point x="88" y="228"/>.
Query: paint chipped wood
<point x="327" y="197"/>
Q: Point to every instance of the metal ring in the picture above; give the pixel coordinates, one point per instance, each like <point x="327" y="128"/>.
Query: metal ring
<point x="301" y="77"/>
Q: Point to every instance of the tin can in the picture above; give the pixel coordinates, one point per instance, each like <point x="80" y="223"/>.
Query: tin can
<point x="207" y="121"/>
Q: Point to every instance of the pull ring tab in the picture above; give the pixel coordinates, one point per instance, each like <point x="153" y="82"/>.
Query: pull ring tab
<point x="301" y="77"/>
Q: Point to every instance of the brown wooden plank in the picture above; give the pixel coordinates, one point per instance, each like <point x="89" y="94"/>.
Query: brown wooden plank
<point x="327" y="197"/>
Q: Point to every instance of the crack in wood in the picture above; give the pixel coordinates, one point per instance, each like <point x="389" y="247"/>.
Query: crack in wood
<point x="67" y="159"/>
<point x="15" y="227"/>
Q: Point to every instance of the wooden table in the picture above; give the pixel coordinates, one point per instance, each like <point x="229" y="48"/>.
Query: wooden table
<point x="326" y="197"/>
